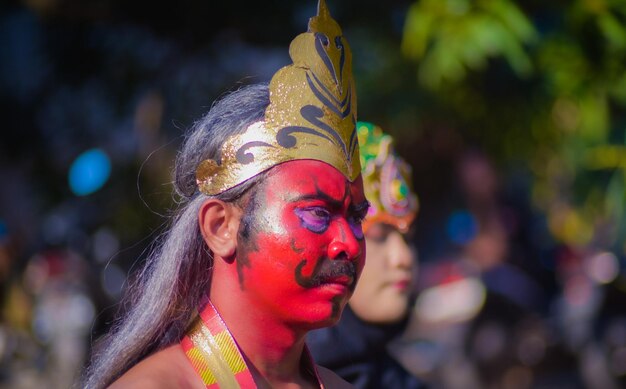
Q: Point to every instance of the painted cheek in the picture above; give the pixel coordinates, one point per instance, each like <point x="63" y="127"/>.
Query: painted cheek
<point x="297" y="244"/>
<point x="272" y="264"/>
<point x="307" y="246"/>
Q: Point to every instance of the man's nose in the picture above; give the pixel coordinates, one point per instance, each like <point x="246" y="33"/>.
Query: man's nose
<point x="344" y="244"/>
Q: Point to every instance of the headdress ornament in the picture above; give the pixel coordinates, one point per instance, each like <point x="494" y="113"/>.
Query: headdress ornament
<point x="386" y="180"/>
<point x="312" y="114"/>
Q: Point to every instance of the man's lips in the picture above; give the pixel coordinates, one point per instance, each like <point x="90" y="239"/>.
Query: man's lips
<point x="337" y="272"/>
<point x="344" y="279"/>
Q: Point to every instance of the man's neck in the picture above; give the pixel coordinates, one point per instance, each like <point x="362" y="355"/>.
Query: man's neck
<point x="272" y="349"/>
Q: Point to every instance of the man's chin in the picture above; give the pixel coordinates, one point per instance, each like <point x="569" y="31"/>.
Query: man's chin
<point x="328" y="318"/>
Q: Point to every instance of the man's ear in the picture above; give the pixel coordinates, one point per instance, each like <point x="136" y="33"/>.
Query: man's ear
<point x="219" y="223"/>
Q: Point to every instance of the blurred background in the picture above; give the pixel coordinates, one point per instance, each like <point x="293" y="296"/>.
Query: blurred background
<point x="512" y="114"/>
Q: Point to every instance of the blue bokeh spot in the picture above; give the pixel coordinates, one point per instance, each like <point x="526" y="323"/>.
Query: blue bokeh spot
<point x="89" y="172"/>
<point x="462" y="227"/>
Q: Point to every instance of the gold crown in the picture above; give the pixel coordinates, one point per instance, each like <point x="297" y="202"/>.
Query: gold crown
<point x="312" y="114"/>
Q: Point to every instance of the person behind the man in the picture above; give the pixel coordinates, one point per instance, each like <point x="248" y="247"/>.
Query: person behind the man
<point x="268" y="243"/>
<point x="356" y="348"/>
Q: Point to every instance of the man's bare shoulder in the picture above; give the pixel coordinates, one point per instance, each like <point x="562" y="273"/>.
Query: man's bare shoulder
<point x="331" y="380"/>
<point x="168" y="368"/>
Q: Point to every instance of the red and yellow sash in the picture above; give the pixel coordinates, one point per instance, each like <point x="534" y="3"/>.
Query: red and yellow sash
<point x="215" y="356"/>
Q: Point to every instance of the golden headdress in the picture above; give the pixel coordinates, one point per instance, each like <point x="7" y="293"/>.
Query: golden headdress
<point x="312" y="114"/>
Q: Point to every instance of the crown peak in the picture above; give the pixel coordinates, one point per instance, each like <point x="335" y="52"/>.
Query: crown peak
<point x="322" y="9"/>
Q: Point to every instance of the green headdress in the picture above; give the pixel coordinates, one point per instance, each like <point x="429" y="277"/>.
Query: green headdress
<point x="386" y="179"/>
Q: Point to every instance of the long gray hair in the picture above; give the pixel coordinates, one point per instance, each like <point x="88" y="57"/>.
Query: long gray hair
<point x="177" y="273"/>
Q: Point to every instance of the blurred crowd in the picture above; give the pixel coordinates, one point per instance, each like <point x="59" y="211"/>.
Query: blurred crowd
<point x="90" y="113"/>
<point x="498" y="309"/>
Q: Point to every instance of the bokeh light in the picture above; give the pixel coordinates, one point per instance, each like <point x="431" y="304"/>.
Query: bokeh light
<point x="463" y="299"/>
<point x="462" y="227"/>
<point x="89" y="172"/>
<point x="603" y="267"/>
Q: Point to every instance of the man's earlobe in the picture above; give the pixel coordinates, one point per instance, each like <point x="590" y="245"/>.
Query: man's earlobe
<point x="219" y="223"/>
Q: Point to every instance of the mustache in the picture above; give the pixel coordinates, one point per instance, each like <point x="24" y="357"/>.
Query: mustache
<point x="326" y="271"/>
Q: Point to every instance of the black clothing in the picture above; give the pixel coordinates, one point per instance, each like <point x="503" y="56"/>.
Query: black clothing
<point x="357" y="351"/>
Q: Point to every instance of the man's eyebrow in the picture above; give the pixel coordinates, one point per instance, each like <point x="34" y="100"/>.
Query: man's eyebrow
<point x="321" y="195"/>
<point x="318" y="196"/>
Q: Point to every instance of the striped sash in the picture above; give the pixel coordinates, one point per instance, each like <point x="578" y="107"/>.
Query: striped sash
<point x="215" y="356"/>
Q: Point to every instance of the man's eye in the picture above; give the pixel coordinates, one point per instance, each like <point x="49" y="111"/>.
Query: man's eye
<point x="321" y="213"/>
<point x="315" y="219"/>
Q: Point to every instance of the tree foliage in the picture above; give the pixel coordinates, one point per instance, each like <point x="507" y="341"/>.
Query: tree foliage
<point x="540" y="82"/>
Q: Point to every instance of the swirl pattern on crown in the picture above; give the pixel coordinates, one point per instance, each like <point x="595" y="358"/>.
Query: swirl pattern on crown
<point x="312" y="113"/>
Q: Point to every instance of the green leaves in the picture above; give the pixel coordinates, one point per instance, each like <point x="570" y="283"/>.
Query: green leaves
<point x="450" y="37"/>
<point x="559" y="103"/>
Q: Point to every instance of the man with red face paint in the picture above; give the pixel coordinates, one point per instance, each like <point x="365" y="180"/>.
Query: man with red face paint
<point x="268" y="243"/>
<point x="356" y="348"/>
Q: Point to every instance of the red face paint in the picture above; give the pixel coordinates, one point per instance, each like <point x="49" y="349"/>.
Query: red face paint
<point x="304" y="248"/>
